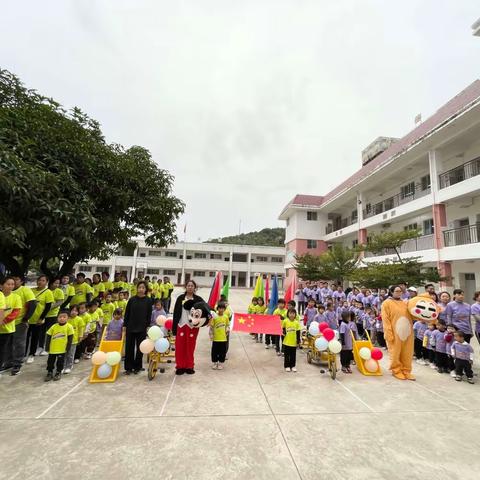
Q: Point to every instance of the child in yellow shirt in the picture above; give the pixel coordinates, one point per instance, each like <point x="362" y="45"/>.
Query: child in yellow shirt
<point x="58" y="341"/>
<point x="219" y="330"/>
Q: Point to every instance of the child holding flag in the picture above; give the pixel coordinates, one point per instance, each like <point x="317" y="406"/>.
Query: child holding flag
<point x="291" y="339"/>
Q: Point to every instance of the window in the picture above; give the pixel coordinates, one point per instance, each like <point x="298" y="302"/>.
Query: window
<point x="407" y="190"/>
<point x="126" y="252"/>
<point x="239" y="257"/>
<point x="170" y="254"/>
<point x="368" y="208"/>
<point x="143" y="254"/>
<point x="412" y="226"/>
<point x="155" y="253"/>
<point x="85" y="268"/>
<point x="311" y="244"/>
<point x="200" y="255"/>
<point x="189" y="257"/>
<point x="428" y="228"/>
<point x="169" y="272"/>
<point x="277" y="259"/>
<point x="425" y="182"/>
<point x="198" y="274"/>
<point x="102" y="269"/>
<point x="354" y="216"/>
<point x="312" y="216"/>
<point x="215" y="256"/>
<point x="355" y="243"/>
<point x="211" y="274"/>
<point x="153" y="271"/>
<point x="262" y="259"/>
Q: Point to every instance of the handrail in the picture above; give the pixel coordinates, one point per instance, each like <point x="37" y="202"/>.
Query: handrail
<point x="460" y="173"/>
<point x="462" y="235"/>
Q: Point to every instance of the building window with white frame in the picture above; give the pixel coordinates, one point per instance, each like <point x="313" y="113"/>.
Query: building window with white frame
<point x="407" y="190"/>
<point x="198" y="273"/>
<point x="411" y="226"/>
<point x="169" y="272"/>
<point x="154" y="253"/>
<point x="277" y="259"/>
<point x="215" y="256"/>
<point x="170" y="254"/>
<point x="312" y="216"/>
<point x="262" y="259"/>
<point x="428" y="227"/>
<point x="311" y="244"/>
<point x="153" y="271"/>
<point x="200" y="255"/>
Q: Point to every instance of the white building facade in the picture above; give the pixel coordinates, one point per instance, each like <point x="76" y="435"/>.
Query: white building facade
<point x="198" y="261"/>
<point x="427" y="180"/>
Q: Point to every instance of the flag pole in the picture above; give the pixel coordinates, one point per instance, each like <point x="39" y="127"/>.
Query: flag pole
<point x="184" y="257"/>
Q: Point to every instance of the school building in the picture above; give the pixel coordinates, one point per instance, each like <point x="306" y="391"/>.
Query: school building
<point x="198" y="261"/>
<point x="427" y="180"/>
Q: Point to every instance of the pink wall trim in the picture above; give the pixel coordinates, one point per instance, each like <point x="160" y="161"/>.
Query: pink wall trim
<point x="439" y="223"/>
<point x="299" y="246"/>
<point x="445" y="270"/>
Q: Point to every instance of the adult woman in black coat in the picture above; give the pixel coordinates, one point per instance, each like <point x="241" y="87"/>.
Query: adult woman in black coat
<point x="185" y="336"/>
<point x="136" y="321"/>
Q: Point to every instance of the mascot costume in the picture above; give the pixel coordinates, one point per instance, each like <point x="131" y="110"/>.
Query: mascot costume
<point x="195" y="314"/>
<point x="398" y="317"/>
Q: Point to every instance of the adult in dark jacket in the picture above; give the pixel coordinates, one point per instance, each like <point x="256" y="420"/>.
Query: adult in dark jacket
<point x="136" y="321"/>
<point x="185" y="335"/>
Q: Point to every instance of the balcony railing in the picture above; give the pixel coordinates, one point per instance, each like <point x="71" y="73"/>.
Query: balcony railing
<point x="343" y="223"/>
<point x="462" y="235"/>
<point x="396" y="200"/>
<point x="424" y="242"/>
<point x="459" y="174"/>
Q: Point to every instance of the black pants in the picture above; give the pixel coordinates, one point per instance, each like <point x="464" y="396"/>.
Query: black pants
<point x="467" y="337"/>
<point x="17" y="347"/>
<point x="5" y="347"/>
<point x="58" y="358"/>
<point x="451" y="363"/>
<point x="381" y="339"/>
<point x="477" y="334"/>
<point x="418" y="348"/>
<point x="463" y="366"/>
<point x="361" y="330"/>
<point x="290" y="358"/>
<point x="219" y="350"/>
<point x="276" y="342"/>
<point x="33" y="336"/>
<point x="301" y="307"/>
<point x="269" y="339"/>
<point x="430" y="355"/>
<point x="133" y="355"/>
<point x="346" y="356"/>
<point x="441" y="360"/>
<point x="49" y="321"/>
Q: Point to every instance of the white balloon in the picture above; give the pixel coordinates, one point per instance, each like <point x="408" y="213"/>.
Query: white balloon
<point x="365" y="353"/>
<point x="314" y="329"/>
<point x="154" y="333"/>
<point x="334" y="346"/>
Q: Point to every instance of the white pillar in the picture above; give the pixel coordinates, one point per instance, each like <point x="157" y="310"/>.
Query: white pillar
<point x="434" y="167"/>
<point x="134" y="268"/>
<point x="112" y="268"/>
<point x="184" y="259"/>
<point x="360" y="207"/>
<point x="230" y="264"/>
<point x="249" y="268"/>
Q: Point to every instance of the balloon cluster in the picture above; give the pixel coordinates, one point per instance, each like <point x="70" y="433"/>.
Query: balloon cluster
<point x="370" y="357"/>
<point x="156" y="336"/>
<point x="329" y="338"/>
<point x="105" y="362"/>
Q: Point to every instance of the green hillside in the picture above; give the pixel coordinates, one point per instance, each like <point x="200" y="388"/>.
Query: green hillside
<point x="274" y="237"/>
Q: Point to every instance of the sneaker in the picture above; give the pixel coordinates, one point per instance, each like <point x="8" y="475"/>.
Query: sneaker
<point x="48" y="377"/>
<point x="420" y="361"/>
<point x="77" y="360"/>
<point x="57" y="376"/>
<point x="67" y="371"/>
<point x="30" y="359"/>
<point x="433" y="366"/>
<point x="220" y="367"/>
<point x="349" y="370"/>
<point x="458" y="378"/>
<point x="453" y="374"/>
<point x="470" y="380"/>
<point x="344" y="370"/>
<point x="214" y="366"/>
<point x="267" y="346"/>
<point x="288" y="369"/>
<point x="43" y="353"/>
<point x="294" y="369"/>
<point x="440" y="370"/>
<point x="15" y="372"/>
<point x="279" y="354"/>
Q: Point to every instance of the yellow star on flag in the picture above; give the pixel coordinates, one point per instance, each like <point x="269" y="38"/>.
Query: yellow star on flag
<point x="241" y="320"/>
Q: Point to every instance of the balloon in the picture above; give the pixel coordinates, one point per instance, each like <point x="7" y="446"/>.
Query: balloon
<point x="113" y="358"/>
<point x="334" y="346"/>
<point x="371" y="365"/>
<point x="169" y="324"/>
<point x="161" y="319"/>
<point x="329" y="334"/>
<point x="321" y="344"/>
<point x="313" y="329"/>
<point x="377" y="354"/>
<point x="154" y="333"/>
<point x="162" y="345"/>
<point x="147" y="346"/>
<point x="99" y="358"/>
<point x="365" y="353"/>
<point x="323" y="326"/>
<point x="104" y="371"/>
<point x="448" y="337"/>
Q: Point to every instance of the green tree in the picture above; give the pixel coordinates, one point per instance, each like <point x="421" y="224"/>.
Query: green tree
<point x="274" y="237"/>
<point x="66" y="194"/>
<point x="337" y="263"/>
<point x="378" y="274"/>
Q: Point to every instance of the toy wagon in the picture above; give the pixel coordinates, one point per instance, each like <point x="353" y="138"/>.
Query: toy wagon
<point x="321" y="357"/>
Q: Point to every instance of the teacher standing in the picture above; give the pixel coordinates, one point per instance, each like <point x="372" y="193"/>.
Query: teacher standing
<point x="185" y="335"/>
<point x="136" y="321"/>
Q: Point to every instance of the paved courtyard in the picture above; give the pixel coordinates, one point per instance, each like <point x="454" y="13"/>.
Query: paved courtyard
<point x="249" y="421"/>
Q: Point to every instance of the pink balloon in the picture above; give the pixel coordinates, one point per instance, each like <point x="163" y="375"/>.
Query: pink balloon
<point x="161" y="320"/>
<point x="169" y="324"/>
<point x="377" y="354"/>
<point x="371" y="365"/>
<point x="147" y="346"/>
<point x="329" y="334"/>
<point x="323" y="326"/>
<point x="99" y="358"/>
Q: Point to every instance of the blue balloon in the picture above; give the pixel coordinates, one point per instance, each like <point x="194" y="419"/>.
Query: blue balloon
<point x="162" y="345"/>
<point x="104" y="371"/>
<point x="321" y="344"/>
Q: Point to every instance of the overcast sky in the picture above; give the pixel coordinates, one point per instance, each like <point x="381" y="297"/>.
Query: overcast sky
<point x="246" y="102"/>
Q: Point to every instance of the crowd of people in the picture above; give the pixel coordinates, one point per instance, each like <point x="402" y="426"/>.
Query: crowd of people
<point x="65" y="318"/>
<point x="444" y="345"/>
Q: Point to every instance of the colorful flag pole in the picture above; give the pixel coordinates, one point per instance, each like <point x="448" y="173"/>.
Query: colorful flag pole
<point x="226" y="288"/>
<point x="259" y="289"/>
<point x="267" y="291"/>
<point x="215" y="292"/>
<point x="274" y="296"/>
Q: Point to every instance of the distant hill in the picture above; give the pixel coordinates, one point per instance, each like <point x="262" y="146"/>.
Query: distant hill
<point x="274" y="237"/>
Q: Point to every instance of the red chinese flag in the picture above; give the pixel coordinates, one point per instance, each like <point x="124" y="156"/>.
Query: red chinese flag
<point x="245" y="322"/>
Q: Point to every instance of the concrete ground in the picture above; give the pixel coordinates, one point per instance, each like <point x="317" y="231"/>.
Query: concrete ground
<point x="249" y="421"/>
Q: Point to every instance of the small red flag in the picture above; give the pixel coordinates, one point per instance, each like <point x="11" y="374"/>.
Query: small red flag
<point x="290" y="291"/>
<point x="245" y="322"/>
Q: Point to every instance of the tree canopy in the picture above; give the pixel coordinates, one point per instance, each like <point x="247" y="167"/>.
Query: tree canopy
<point x="65" y="193"/>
